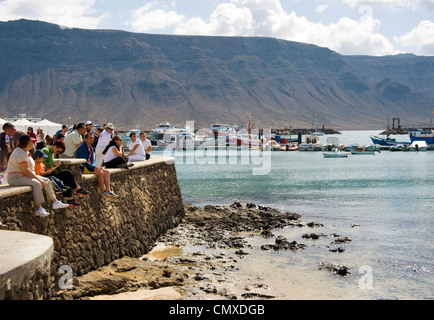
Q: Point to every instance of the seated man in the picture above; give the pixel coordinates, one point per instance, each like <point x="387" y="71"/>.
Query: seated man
<point x="73" y="141"/>
<point x="86" y="151"/>
<point x="137" y="152"/>
<point x="147" y="145"/>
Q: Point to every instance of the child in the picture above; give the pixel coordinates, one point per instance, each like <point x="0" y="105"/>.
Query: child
<point x="41" y="170"/>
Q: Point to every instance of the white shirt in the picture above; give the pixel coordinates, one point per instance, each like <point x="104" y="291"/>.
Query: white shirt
<point x="71" y="140"/>
<point x="140" y="150"/>
<point x="39" y="138"/>
<point x="103" y="140"/>
<point x="110" y="155"/>
<point x="146" y="144"/>
<point x="19" y="156"/>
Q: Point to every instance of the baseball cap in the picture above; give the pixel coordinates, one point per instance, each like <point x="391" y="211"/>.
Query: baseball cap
<point x="39" y="153"/>
<point x="110" y="126"/>
<point x="88" y="122"/>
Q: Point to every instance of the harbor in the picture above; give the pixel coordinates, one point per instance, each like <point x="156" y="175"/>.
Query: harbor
<point x="232" y="137"/>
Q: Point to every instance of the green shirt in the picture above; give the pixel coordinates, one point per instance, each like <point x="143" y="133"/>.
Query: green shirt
<point x="49" y="161"/>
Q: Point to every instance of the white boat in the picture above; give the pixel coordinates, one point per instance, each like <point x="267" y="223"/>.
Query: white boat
<point x="333" y="143"/>
<point x="399" y="147"/>
<point x="271" y="145"/>
<point x="335" y="154"/>
<point x="158" y="132"/>
<point x="222" y="130"/>
<point x="312" y="143"/>
<point x="419" y="146"/>
<point x="180" y="141"/>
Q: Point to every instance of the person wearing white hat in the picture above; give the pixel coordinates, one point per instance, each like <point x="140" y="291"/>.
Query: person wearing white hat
<point x="103" y="141"/>
<point x="91" y="130"/>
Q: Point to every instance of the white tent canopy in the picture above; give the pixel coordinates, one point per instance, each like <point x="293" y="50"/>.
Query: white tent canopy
<point x="48" y="127"/>
<point x="23" y="124"/>
<point x="2" y="122"/>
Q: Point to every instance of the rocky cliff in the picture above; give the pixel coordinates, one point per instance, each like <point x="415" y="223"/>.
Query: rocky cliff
<point x="139" y="80"/>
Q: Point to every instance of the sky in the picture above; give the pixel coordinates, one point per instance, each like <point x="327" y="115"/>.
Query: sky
<point x="349" y="27"/>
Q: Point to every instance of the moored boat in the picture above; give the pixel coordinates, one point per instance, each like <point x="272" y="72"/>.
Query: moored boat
<point x="312" y="143"/>
<point x="271" y="145"/>
<point x="399" y="147"/>
<point x="419" y="146"/>
<point x="422" y="135"/>
<point x="159" y="131"/>
<point x="363" y="152"/>
<point x="335" y="154"/>
<point x="386" y="143"/>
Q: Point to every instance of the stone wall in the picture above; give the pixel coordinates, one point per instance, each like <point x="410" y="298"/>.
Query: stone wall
<point x="103" y="229"/>
<point x="25" y="266"/>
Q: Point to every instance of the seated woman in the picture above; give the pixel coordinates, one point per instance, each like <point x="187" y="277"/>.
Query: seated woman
<point x="114" y="155"/>
<point x="137" y="152"/>
<point x="65" y="175"/>
<point x="21" y="173"/>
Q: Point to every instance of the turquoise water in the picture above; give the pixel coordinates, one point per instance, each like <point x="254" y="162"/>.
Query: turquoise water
<point x="384" y="203"/>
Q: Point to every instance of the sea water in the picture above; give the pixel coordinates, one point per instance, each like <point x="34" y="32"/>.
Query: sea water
<point x="384" y="203"/>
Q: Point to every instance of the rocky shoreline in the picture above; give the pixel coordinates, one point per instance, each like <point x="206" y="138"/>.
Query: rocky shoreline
<point x="215" y="237"/>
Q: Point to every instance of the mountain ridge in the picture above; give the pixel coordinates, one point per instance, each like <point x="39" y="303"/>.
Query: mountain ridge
<point x="139" y="80"/>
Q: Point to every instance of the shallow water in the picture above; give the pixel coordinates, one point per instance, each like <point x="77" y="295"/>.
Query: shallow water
<point x="383" y="203"/>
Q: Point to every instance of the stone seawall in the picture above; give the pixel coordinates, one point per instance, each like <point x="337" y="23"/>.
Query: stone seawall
<point x="103" y="229"/>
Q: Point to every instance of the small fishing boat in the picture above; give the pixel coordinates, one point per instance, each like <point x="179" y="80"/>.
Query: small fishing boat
<point x="271" y="145"/>
<point x="366" y="152"/>
<point x="291" y="147"/>
<point x="399" y="147"/>
<point x="333" y="143"/>
<point x="335" y="154"/>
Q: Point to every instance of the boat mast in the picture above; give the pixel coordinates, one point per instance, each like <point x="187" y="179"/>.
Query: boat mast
<point x="431" y="121"/>
<point x="313" y="120"/>
<point x="388" y="128"/>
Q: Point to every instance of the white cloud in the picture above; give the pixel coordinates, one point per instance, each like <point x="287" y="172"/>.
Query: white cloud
<point x="321" y="8"/>
<point x="72" y="13"/>
<point x="153" y="16"/>
<point x="421" y="37"/>
<point x="393" y="4"/>
<point x="268" y="18"/>
<point x="226" y="20"/>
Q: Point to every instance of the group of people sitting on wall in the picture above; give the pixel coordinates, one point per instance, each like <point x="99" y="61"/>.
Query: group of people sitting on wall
<point x="29" y="164"/>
